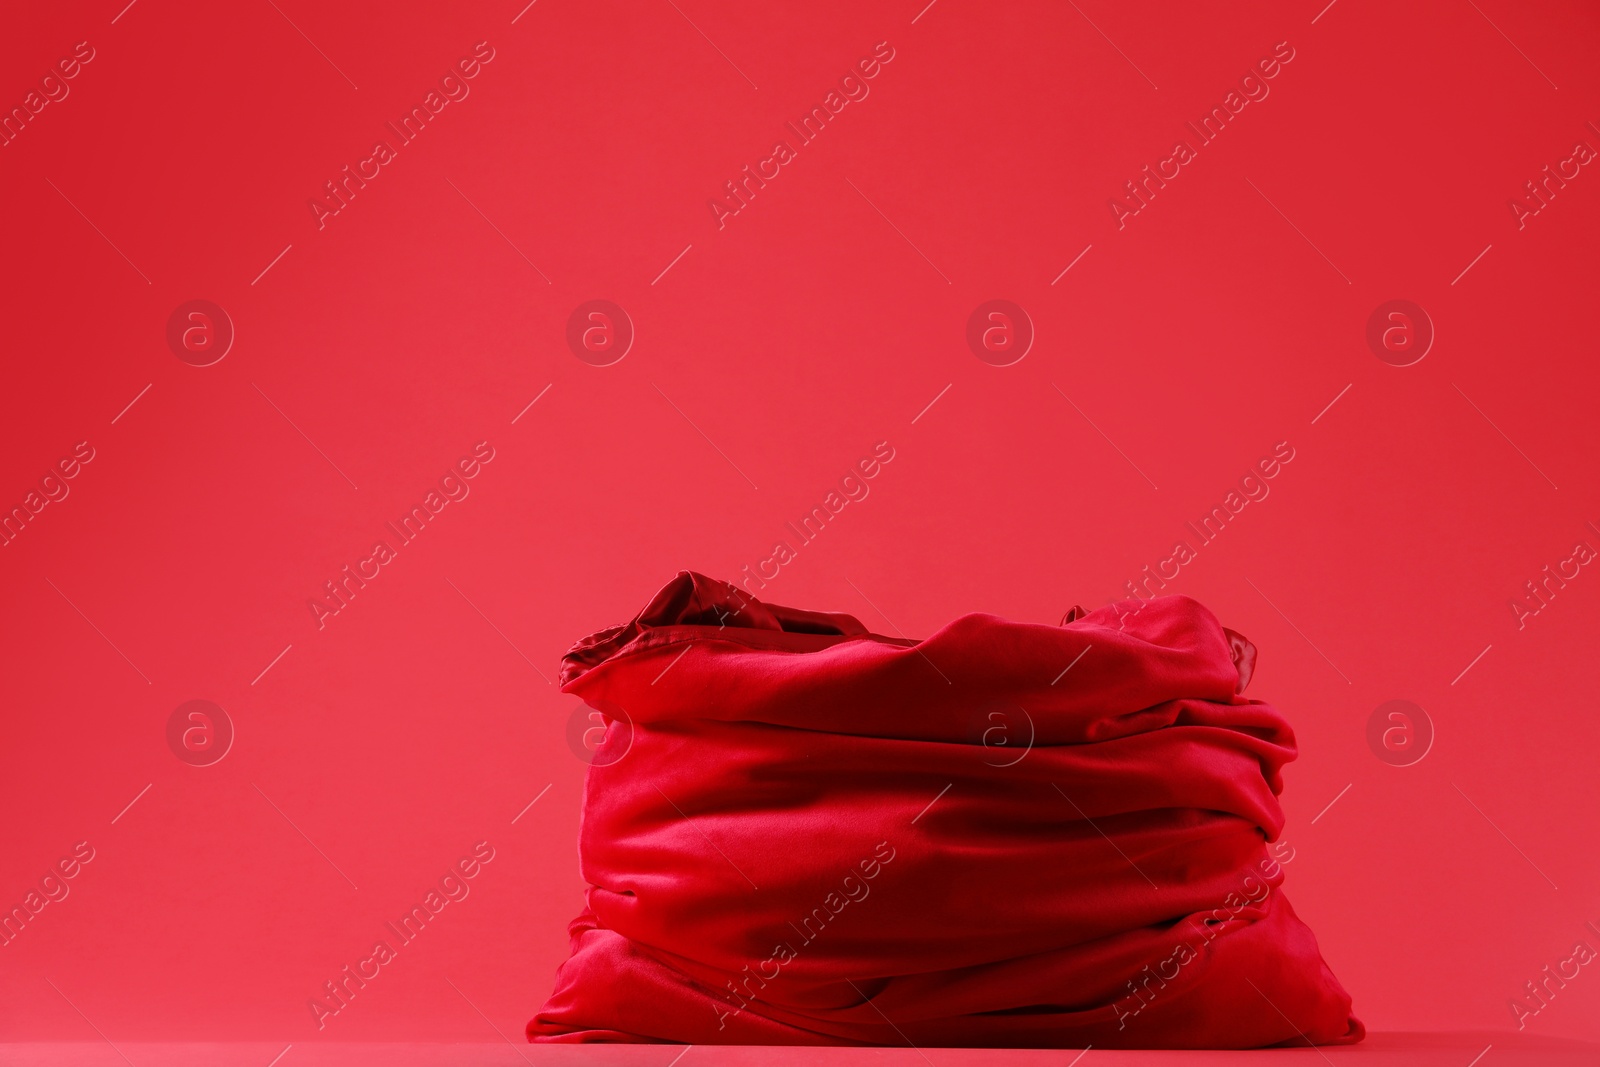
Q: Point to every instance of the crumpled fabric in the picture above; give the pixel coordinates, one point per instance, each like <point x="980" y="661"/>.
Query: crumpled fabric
<point x="1005" y="835"/>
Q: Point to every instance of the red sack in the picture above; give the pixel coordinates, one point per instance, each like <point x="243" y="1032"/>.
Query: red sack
<point x="1008" y="834"/>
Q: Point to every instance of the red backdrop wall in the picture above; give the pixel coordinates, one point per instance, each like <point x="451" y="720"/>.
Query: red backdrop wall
<point x="382" y="337"/>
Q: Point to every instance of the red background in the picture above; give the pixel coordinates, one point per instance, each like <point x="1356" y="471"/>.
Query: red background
<point x="1214" y="325"/>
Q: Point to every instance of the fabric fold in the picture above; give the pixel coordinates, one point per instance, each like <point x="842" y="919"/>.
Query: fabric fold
<point x="1007" y="834"/>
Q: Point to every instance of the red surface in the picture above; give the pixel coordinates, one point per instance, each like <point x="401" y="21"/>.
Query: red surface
<point x="1378" y="1050"/>
<point x="1222" y="319"/>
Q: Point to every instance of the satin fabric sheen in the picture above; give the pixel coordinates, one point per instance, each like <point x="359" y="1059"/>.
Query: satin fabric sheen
<point x="1062" y="807"/>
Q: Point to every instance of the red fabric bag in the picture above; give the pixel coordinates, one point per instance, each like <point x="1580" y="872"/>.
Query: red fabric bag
<point x="1007" y="834"/>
